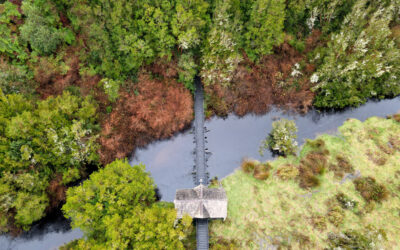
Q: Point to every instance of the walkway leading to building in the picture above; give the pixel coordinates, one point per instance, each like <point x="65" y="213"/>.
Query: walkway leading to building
<point x="201" y="175"/>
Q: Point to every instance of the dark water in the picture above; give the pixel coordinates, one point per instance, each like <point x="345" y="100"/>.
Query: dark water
<point x="170" y="162"/>
<point x="50" y="233"/>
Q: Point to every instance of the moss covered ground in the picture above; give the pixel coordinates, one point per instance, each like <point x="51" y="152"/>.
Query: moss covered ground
<point x="340" y="191"/>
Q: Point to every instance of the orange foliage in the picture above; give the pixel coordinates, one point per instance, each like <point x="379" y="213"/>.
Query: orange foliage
<point x="56" y="191"/>
<point x="161" y="108"/>
<point x="255" y="87"/>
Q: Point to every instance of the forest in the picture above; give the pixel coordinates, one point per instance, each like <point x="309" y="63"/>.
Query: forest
<point x="85" y="82"/>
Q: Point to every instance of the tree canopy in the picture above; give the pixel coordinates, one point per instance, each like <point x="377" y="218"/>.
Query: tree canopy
<point x="116" y="209"/>
<point x="37" y="142"/>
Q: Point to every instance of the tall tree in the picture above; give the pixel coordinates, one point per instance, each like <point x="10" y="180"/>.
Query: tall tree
<point x="116" y="209"/>
<point x="220" y="55"/>
<point x="38" y="142"/>
<point x="189" y="22"/>
<point x="264" y="28"/>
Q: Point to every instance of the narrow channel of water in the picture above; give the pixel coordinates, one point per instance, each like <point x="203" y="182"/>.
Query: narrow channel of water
<point x="171" y="162"/>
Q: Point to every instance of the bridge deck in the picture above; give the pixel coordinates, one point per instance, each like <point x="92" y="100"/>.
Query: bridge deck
<point x="200" y="161"/>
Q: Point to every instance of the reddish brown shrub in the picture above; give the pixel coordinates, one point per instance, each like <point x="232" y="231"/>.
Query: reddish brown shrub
<point x="161" y="108"/>
<point x="343" y="166"/>
<point x="370" y="190"/>
<point x="396" y="117"/>
<point x="394" y="142"/>
<point x="308" y="179"/>
<point x="377" y="157"/>
<point x="312" y="165"/>
<point x="386" y="148"/>
<point x="256" y="87"/>
<point x="318" y="146"/>
<point x="261" y="171"/>
<point x="51" y="80"/>
<point x="248" y="166"/>
<point x="318" y="222"/>
<point x="316" y="162"/>
<point x="56" y="191"/>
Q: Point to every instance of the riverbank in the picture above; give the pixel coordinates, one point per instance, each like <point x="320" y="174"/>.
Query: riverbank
<point x="329" y="209"/>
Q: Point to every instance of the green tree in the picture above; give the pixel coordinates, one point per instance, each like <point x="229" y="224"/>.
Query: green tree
<point x="39" y="141"/>
<point x="16" y="79"/>
<point x="124" y="35"/>
<point x="327" y="15"/>
<point x="116" y="209"/>
<point x="282" y="138"/>
<point x="220" y="55"/>
<point x="264" y="28"/>
<point x="362" y="60"/>
<point x="10" y="45"/>
<point x="189" y="22"/>
<point x="41" y="27"/>
<point x="187" y="70"/>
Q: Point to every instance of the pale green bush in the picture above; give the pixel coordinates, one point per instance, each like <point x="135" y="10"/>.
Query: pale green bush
<point x="282" y="138"/>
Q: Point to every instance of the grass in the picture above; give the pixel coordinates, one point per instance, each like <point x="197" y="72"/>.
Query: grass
<point x="278" y="211"/>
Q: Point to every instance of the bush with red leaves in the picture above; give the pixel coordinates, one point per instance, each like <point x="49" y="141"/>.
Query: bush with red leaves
<point x="161" y="108"/>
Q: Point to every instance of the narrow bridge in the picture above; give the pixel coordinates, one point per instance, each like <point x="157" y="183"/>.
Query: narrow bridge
<point x="201" y="203"/>
<point x="201" y="175"/>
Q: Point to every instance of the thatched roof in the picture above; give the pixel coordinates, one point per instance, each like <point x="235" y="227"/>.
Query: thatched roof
<point x="201" y="202"/>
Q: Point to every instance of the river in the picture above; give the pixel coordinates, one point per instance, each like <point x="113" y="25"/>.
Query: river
<point x="171" y="161"/>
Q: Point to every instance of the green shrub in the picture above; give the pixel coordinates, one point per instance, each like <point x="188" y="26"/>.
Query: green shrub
<point x="302" y="16"/>
<point x="297" y="44"/>
<point x="351" y="239"/>
<point x="336" y="215"/>
<point x="287" y="172"/>
<point x="319" y="222"/>
<point x="109" y="109"/>
<point x="111" y="88"/>
<point x="16" y="79"/>
<point x="370" y="190"/>
<point x="282" y="138"/>
<point x="346" y="202"/>
<point x="71" y="175"/>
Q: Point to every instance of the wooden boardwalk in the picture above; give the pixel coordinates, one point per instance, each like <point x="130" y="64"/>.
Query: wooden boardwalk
<point x="202" y="236"/>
